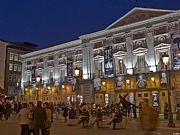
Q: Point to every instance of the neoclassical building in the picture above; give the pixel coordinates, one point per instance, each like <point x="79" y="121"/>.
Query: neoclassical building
<point x="124" y="57"/>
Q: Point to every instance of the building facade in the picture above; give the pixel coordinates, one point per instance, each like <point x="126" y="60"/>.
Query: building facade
<point x="124" y="57"/>
<point x="11" y="66"/>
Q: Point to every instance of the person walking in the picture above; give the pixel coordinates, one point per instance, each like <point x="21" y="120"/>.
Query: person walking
<point x="1" y="110"/>
<point x="7" y="110"/>
<point x="65" y="113"/>
<point x="39" y="118"/>
<point x="31" y="126"/>
<point x="23" y="117"/>
<point x="48" y="122"/>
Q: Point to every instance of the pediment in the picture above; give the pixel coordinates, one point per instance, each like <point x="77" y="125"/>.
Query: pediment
<point x="137" y="15"/>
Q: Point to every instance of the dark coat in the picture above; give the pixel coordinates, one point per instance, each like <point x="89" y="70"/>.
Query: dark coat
<point x="39" y="116"/>
<point x="65" y="112"/>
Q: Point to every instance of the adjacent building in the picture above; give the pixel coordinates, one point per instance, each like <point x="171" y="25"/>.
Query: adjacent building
<point x="11" y="67"/>
<point x="124" y="57"/>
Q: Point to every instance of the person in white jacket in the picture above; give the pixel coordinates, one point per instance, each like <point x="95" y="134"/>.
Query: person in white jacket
<point x="24" y="119"/>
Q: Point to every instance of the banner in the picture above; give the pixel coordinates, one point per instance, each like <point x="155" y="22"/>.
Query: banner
<point x="141" y="81"/>
<point x="70" y="71"/>
<point x="108" y="61"/>
<point x="120" y="82"/>
<point x="33" y="73"/>
<point x="176" y="50"/>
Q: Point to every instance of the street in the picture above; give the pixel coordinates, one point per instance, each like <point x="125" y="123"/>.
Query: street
<point x="11" y="127"/>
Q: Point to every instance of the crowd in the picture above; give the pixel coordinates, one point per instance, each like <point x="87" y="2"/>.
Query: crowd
<point x="34" y="119"/>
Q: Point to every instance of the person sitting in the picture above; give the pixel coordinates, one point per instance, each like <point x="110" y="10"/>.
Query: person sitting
<point x="99" y="117"/>
<point x="72" y="114"/>
<point x="85" y="117"/>
<point x="117" y="118"/>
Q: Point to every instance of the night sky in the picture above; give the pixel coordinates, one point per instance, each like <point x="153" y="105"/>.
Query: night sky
<point x="50" y="22"/>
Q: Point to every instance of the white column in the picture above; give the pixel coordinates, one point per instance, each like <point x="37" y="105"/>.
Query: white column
<point x="128" y="60"/>
<point x="150" y="56"/>
<point x="88" y="65"/>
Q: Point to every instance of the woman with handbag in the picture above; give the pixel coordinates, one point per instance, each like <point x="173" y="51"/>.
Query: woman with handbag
<point x="48" y="122"/>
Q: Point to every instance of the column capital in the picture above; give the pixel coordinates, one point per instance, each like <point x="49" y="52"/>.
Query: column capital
<point x="150" y="30"/>
<point x="129" y="34"/>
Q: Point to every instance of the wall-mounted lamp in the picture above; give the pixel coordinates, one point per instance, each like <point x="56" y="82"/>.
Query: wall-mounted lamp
<point x="104" y="84"/>
<point x="153" y="80"/>
<point x="128" y="82"/>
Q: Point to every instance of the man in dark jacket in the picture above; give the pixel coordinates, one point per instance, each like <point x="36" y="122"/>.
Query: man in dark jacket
<point x="39" y="118"/>
<point x="1" y="110"/>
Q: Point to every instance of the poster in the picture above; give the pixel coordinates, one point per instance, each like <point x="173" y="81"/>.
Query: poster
<point x="176" y="50"/>
<point x="155" y="100"/>
<point x="108" y="61"/>
<point x="163" y="79"/>
<point x="141" y="81"/>
<point x="70" y="71"/>
<point x="33" y="73"/>
<point x="120" y="82"/>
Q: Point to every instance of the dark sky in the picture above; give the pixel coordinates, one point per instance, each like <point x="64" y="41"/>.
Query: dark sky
<point x="49" y="22"/>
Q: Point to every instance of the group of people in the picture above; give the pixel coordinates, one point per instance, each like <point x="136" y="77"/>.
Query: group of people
<point x="5" y="110"/>
<point x="35" y="118"/>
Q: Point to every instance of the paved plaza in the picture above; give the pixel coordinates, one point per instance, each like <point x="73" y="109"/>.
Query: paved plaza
<point x="11" y="127"/>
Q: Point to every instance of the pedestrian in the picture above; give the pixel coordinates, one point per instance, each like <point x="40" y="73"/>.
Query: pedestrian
<point x="23" y="117"/>
<point x="65" y="113"/>
<point x="149" y="119"/>
<point x="1" y="110"/>
<point x="99" y="117"/>
<point x="48" y="122"/>
<point x="39" y="118"/>
<point x="7" y="110"/>
<point x="31" y="126"/>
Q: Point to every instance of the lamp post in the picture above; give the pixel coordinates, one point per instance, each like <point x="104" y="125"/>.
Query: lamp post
<point x="165" y="59"/>
<point x="63" y="87"/>
<point x="38" y="80"/>
<point x="77" y="77"/>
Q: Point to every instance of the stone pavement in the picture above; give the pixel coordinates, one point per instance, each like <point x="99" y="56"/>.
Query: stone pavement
<point x="11" y="127"/>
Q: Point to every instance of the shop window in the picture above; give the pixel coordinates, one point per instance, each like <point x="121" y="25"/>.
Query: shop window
<point x="139" y="95"/>
<point x="145" y="94"/>
<point x="163" y="94"/>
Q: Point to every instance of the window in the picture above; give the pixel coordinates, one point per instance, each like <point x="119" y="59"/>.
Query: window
<point x="141" y="64"/>
<point x="20" y="59"/>
<point x="19" y="68"/>
<point x="15" y="57"/>
<point x="14" y="78"/>
<point x="139" y="95"/>
<point x="51" y="77"/>
<point x="19" y="78"/>
<point x="10" y="78"/>
<point x="121" y="66"/>
<point x="15" y="67"/>
<point x="11" y="56"/>
<point x="10" y="66"/>
<point x="145" y="94"/>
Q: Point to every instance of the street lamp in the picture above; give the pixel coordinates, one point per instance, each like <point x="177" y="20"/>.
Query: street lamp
<point x="77" y="77"/>
<point x="165" y="59"/>
<point x="38" y="78"/>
